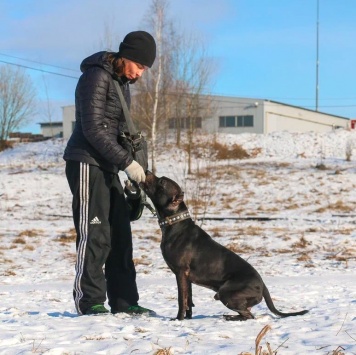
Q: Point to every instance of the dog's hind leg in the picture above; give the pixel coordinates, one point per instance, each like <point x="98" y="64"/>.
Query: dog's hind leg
<point x="237" y="297"/>
<point x="242" y="316"/>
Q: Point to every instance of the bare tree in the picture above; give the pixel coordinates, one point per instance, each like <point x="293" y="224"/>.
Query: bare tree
<point x="171" y="90"/>
<point x="108" y="41"/>
<point x="192" y="71"/>
<point x="17" y="100"/>
<point x="48" y="110"/>
<point x="150" y="103"/>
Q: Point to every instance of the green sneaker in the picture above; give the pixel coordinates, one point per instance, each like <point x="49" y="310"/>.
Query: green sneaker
<point x="97" y="309"/>
<point x="139" y="310"/>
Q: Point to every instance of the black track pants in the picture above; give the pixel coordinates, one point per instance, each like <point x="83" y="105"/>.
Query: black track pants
<point x="104" y="238"/>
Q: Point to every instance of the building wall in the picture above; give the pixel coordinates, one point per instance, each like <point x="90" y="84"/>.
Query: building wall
<point x="232" y="106"/>
<point x="269" y="116"/>
<point x="52" y="131"/>
<point x="279" y="117"/>
<point x="68" y="120"/>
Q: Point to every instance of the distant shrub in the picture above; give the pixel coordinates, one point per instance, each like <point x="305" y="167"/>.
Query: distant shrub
<point x="229" y="152"/>
<point x="5" y="145"/>
<point x="321" y="166"/>
<point x="350" y="146"/>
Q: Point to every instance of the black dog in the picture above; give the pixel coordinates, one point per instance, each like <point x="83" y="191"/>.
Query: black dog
<point x="195" y="257"/>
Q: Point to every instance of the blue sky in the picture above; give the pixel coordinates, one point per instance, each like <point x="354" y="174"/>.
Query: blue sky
<point x="261" y="49"/>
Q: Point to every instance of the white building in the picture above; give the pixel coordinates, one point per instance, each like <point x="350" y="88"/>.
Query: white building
<point x="52" y="129"/>
<point x="68" y="120"/>
<point x="243" y="115"/>
<point x="246" y="115"/>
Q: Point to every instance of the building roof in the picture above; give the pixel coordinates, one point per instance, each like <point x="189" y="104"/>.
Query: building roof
<point x="51" y="124"/>
<point x="274" y="102"/>
<point x="307" y="109"/>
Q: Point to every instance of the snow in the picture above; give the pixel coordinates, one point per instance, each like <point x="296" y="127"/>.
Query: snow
<point x="289" y="209"/>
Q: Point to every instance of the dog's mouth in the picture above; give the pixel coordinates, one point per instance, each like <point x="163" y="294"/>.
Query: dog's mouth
<point x="149" y="179"/>
<point x="146" y="186"/>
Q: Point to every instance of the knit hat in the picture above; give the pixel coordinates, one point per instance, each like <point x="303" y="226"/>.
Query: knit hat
<point x="140" y="47"/>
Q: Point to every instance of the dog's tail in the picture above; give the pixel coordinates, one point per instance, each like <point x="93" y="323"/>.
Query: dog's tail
<point x="273" y="309"/>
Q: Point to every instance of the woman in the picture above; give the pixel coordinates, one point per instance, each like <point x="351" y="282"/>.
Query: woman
<point x="93" y="159"/>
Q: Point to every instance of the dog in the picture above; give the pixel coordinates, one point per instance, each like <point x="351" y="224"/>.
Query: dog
<point x="194" y="257"/>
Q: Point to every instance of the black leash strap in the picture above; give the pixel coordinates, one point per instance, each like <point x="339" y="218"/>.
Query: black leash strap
<point x="146" y="204"/>
<point x="130" y="125"/>
<point x="132" y="130"/>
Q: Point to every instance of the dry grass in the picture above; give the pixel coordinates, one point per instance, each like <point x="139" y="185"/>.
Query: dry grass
<point x="31" y="233"/>
<point x="155" y="238"/>
<point x="19" y="241"/>
<point x="339" y="206"/>
<point x="224" y="152"/>
<point x="5" y="261"/>
<point x="255" y="152"/>
<point x="195" y="203"/>
<point x="5" y="145"/>
<point x="72" y="257"/>
<point x="258" y="348"/>
<point x="29" y="247"/>
<point x="282" y="251"/>
<point x="164" y="351"/>
<point x="67" y="237"/>
<point x="321" y="166"/>
<point x="8" y="273"/>
<point x="142" y="261"/>
<point x="253" y="230"/>
<point x="302" y="243"/>
<point x="215" y="232"/>
<point x="304" y="257"/>
<point x="237" y="248"/>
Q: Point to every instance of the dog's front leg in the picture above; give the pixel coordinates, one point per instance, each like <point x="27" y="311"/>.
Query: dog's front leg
<point x="183" y="291"/>
<point x="189" y="312"/>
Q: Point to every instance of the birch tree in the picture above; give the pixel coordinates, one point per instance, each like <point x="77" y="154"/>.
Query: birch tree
<point x="149" y="105"/>
<point x="171" y="89"/>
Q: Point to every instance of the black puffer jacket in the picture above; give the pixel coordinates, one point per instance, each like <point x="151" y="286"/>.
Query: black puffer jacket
<point x="99" y="117"/>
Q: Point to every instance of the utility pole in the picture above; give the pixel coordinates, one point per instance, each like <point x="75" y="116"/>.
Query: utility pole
<point x="317" y="57"/>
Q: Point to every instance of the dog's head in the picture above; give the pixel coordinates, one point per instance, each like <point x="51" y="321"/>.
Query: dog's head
<point x="165" y="194"/>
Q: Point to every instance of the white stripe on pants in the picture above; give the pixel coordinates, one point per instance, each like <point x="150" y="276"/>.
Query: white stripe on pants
<point x="83" y="228"/>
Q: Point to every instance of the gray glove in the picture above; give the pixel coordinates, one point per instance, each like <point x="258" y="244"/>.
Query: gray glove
<point x="135" y="172"/>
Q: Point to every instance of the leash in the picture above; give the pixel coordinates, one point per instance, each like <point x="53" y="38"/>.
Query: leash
<point x="147" y="204"/>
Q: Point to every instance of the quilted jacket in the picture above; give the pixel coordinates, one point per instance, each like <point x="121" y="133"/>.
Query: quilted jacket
<point x="99" y="117"/>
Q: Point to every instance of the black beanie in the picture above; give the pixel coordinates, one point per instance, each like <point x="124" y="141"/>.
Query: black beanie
<point x="140" y="47"/>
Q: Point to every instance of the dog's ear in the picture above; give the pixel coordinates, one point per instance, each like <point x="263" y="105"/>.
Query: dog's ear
<point x="177" y="199"/>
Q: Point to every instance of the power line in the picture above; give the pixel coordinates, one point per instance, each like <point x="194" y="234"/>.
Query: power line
<point x="34" y="61"/>
<point x="225" y="100"/>
<point x="41" y="70"/>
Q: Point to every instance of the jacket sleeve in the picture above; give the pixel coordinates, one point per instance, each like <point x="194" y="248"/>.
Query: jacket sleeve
<point x="92" y="93"/>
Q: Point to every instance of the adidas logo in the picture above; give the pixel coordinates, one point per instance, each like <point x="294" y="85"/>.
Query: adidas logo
<point x="95" y="220"/>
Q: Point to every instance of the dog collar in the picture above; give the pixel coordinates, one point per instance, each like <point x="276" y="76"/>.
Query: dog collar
<point x="175" y="218"/>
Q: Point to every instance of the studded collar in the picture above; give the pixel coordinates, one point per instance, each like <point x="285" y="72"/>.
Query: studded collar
<point x="175" y="218"/>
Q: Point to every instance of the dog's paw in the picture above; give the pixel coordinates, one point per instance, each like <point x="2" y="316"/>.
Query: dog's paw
<point x="234" y="317"/>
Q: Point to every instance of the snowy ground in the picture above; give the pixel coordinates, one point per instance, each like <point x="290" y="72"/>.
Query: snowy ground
<point x="289" y="210"/>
